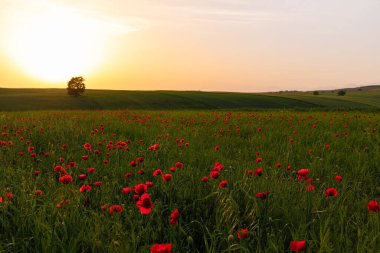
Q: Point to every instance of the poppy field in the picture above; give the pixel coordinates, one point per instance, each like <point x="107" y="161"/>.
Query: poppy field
<point x="189" y="181"/>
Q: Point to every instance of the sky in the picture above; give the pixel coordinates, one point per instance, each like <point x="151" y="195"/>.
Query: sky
<point x="208" y="45"/>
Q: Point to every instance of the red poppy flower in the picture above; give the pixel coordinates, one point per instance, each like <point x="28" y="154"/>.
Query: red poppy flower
<point x="37" y="172"/>
<point x="127" y="175"/>
<point x="149" y="184"/>
<point x="223" y="184"/>
<point x="296" y="246"/>
<point x="85" y="188"/>
<point x="179" y="165"/>
<point x="126" y="190"/>
<point x="310" y="188"/>
<point x="98" y="183"/>
<point x="154" y="147"/>
<point x="63" y="202"/>
<point x="302" y="174"/>
<point x="172" y="169"/>
<point x="104" y="207"/>
<point x="218" y="166"/>
<point x="214" y="174"/>
<point x="259" y="159"/>
<point x="242" y="233"/>
<point x="87" y="146"/>
<point x="59" y="169"/>
<point x="132" y="163"/>
<point x="258" y="172"/>
<point x="1" y="199"/>
<point x="262" y="195"/>
<point x="141" y="188"/>
<point x="331" y="192"/>
<point x="82" y="176"/>
<point x="166" y="177"/>
<point x="204" y="179"/>
<point x="309" y="180"/>
<point x="373" y="206"/>
<point x="140" y="159"/>
<point x="157" y="172"/>
<point x="66" y="179"/>
<point x="249" y="172"/>
<point x="91" y="170"/>
<point x="173" y="222"/>
<point x="161" y="248"/>
<point x="115" y="209"/>
<point x="216" y="148"/>
<point x="71" y="165"/>
<point x="338" y="178"/>
<point x="174" y="216"/>
<point x="84" y="157"/>
<point x="145" y="204"/>
<point x="39" y="192"/>
<point x="9" y="195"/>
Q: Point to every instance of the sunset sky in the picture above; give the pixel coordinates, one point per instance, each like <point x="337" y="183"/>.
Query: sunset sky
<point x="210" y="45"/>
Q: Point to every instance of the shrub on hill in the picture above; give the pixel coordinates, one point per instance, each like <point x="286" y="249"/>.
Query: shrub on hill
<point x="341" y="93"/>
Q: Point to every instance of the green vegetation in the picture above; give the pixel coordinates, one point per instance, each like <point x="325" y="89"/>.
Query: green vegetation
<point x="76" y="86"/>
<point x="56" y="99"/>
<point x="341" y="93"/>
<point x="302" y="155"/>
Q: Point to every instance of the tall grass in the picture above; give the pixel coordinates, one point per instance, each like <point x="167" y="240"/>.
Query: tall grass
<point x="326" y="143"/>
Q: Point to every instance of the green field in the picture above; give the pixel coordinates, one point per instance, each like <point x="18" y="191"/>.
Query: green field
<point x="320" y="172"/>
<point x="57" y="99"/>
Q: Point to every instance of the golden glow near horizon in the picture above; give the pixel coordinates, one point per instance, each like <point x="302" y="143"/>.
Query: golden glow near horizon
<point x="229" y="45"/>
<point x="55" y="44"/>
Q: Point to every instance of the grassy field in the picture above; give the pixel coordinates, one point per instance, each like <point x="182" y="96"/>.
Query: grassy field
<point x="57" y="99"/>
<point x="355" y="99"/>
<point x="110" y="181"/>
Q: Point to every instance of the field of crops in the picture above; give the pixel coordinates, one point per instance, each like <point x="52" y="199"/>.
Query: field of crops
<point x="189" y="181"/>
<point x="57" y="99"/>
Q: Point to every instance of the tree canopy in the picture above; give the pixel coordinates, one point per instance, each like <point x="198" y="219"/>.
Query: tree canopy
<point x="76" y="86"/>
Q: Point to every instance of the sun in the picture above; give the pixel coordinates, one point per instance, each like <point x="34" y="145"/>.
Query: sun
<point x="55" y="44"/>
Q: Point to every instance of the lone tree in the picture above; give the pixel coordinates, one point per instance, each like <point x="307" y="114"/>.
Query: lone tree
<point x="341" y="93"/>
<point x="75" y="87"/>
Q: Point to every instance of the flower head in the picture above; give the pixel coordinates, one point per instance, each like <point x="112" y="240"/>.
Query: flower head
<point x="161" y="248"/>
<point x="331" y="192"/>
<point x="373" y="206"/>
<point x="296" y="246"/>
<point x="145" y="204"/>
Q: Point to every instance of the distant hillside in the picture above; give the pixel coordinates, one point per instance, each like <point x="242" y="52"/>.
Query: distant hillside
<point x="374" y="87"/>
<point x="363" y="88"/>
<point x="57" y="99"/>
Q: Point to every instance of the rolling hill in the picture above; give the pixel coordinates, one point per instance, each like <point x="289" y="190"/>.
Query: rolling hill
<point x="57" y="99"/>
